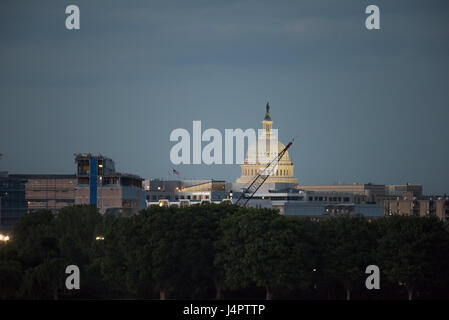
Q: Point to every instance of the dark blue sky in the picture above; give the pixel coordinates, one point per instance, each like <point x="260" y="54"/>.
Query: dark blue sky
<point x="369" y="106"/>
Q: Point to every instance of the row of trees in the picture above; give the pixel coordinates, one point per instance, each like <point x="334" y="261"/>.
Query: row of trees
<point x="216" y="251"/>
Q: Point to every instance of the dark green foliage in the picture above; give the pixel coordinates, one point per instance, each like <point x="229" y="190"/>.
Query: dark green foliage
<point x="74" y="228"/>
<point x="111" y="254"/>
<point x="413" y="252"/>
<point x="10" y="279"/>
<point x="182" y="249"/>
<point x="215" y="251"/>
<point x="44" y="281"/>
<point x="45" y="244"/>
<point x="262" y="248"/>
<point x="34" y="238"/>
<point x="347" y="247"/>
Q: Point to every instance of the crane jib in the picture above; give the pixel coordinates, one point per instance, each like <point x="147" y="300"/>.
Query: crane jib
<point x="261" y="178"/>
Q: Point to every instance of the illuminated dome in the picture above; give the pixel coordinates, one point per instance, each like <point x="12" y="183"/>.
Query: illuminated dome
<point x="256" y="160"/>
<point x="256" y="156"/>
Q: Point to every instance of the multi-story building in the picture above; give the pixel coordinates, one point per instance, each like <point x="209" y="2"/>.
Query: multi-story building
<point x="112" y="192"/>
<point x="398" y="190"/>
<point x="184" y="192"/>
<point x="48" y="191"/>
<point x="405" y="199"/>
<point x="294" y="202"/>
<point x="282" y="191"/>
<point x="12" y="200"/>
<point x="423" y="206"/>
<point x="96" y="182"/>
<point x="290" y="201"/>
<point x="366" y="192"/>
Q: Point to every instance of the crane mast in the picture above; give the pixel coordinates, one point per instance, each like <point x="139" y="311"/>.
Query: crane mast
<point x="262" y="176"/>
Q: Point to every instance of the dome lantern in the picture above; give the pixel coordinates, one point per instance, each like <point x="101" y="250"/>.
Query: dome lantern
<point x="267" y="123"/>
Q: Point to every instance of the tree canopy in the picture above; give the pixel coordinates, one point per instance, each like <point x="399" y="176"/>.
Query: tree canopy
<point x="222" y="251"/>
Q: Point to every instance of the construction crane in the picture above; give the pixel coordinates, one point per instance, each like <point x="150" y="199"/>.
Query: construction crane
<point x="262" y="176"/>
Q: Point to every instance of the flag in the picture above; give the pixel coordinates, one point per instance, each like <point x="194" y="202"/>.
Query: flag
<point x="175" y="172"/>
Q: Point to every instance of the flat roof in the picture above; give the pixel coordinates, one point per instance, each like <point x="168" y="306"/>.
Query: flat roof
<point x="43" y="176"/>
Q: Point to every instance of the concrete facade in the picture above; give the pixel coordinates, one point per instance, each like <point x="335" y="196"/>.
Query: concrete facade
<point x="48" y="191"/>
<point x="116" y="193"/>
<point x="424" y="206"/>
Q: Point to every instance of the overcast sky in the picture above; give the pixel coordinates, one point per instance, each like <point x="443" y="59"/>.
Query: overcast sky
<point x="369" y="106"/>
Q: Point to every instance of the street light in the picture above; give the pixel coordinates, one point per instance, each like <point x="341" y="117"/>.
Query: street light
<point x="314" y="283"/>
<point x="4" y="238"/>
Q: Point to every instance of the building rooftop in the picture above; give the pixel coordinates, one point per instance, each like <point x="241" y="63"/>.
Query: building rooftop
<point x="43" y="176"/>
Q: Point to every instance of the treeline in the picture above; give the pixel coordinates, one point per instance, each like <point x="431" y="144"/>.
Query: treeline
<point x="222" y="251"/>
